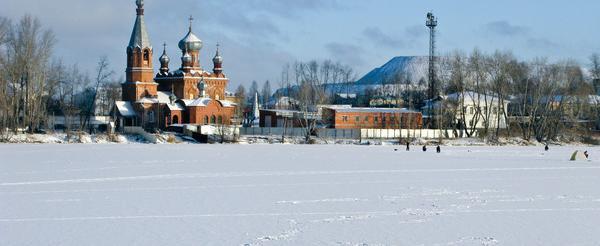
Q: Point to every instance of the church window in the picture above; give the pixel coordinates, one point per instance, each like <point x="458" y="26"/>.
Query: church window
<point x="206" y="119"/>
<point x="220" y="120"/>
<point x="213" y="119"/>
<point x="146" y="55"/>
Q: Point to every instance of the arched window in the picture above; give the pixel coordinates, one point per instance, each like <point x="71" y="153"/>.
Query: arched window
<point x="175" y="119"/>
<point x="220" y="120"/>
<point x="213" y="119"/>
<point x="206" y="120"/>
<point x="146" y="55"/>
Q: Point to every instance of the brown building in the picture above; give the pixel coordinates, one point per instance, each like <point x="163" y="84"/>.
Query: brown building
<point x="371" y="118"/>
<point x="286" y="118"/>
<point x="188" y="95"/>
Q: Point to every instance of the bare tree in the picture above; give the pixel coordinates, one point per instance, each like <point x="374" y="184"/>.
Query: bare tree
<point x="5" y="26"/>
<point x="595" y="71"/>
<point x="266" y="93"/>
<point x="27" y="49"/>
<point x="102" y="75"/>
<point x="309" y="80"/>
<point x="240" y="93"/>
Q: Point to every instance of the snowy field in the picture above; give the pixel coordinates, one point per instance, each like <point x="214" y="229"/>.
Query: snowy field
<point x="296" y="195"/>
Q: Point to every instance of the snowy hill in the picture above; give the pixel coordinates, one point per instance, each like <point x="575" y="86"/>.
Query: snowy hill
<point x="384" y="78"/>
<point x="413" y="67"/>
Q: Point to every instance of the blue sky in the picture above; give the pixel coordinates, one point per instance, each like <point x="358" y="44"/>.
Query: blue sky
<point x="259" y="36"/>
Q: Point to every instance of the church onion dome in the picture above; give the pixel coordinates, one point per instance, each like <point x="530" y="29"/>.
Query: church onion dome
<point x="186" y="59"/>
<point x="190" y="42"/>
<point x="164" y="59"/>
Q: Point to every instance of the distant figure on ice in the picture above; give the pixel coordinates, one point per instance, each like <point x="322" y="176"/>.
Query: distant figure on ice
<point x="438" y="149"/>
<point x="546" y="148"/>
<point x="424" y="148"/>
<point x="586" y="154"/>
<point x="407" y="146"/>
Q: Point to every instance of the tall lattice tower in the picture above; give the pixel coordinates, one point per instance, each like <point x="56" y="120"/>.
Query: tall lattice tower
<point x="431" y="23"/>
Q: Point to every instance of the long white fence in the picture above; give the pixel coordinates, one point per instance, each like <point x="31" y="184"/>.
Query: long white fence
<point x="272" y="131"/>
<point x="411" y="133"/>
<point x="354" y="133"/>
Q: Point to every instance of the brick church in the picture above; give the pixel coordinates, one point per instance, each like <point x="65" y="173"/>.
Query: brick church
<point x="188" y="95"/>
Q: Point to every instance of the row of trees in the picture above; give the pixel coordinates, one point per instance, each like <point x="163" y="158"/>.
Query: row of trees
<point x="535" y="99"/>
<point x="545" y="98"/>
<point x="35" y="85"/>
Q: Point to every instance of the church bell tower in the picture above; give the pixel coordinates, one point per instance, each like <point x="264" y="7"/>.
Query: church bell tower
<point x="139" y="73"/>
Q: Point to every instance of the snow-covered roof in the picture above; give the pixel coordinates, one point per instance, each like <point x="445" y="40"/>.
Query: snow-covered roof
<point x="227" y="103"/>
<point x="148" y="100"/>
<point x="200" y="102"/>
<point x="175" y="107"/>
<point x="163" y="97"/>
<point x="338" y="106"/>
<point x="373" y="110"/>
<point x="347" y="95"/>
<point x="203" y="102"/>
<point x="125" y="109"/>
<point x="591" y="99"/>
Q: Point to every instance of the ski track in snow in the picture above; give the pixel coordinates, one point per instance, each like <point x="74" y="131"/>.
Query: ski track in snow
<point x="302" y="173"/>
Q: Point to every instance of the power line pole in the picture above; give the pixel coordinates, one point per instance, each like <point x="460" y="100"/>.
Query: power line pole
<point x="431" y="23"/>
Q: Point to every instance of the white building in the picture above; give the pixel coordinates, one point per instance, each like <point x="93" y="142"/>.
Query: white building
<point x="474" y="109"/>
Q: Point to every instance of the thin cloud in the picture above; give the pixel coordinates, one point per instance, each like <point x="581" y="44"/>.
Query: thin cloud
<point x="503" y="28"/>
<point x="351" y="54"/>
<point x="542" y="43"/>
<point x="380" y="38"/>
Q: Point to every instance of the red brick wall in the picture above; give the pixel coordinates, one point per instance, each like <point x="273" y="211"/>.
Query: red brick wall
<point x="133" y="92"/>
<point x="197" y="114"/>
<point x="138" y="69"/>
<point x="371" y="120"/>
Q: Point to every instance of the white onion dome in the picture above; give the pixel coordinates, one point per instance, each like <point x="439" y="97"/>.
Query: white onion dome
<point x="164" y="59"/>
<point x="190" y="42"/>
<point x="186" y="58"/>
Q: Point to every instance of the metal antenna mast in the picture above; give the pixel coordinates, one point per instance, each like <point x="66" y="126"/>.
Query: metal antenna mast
<point x="431" y="24"/>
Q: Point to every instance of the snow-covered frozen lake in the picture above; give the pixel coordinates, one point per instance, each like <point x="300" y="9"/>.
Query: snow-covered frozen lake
<point x="296" y="195"/>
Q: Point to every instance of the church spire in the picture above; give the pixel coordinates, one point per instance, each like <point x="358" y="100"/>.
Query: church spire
<point x="218" y="62"/>
<point x="139" y="35"/>
<point x="139" y="50"/>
